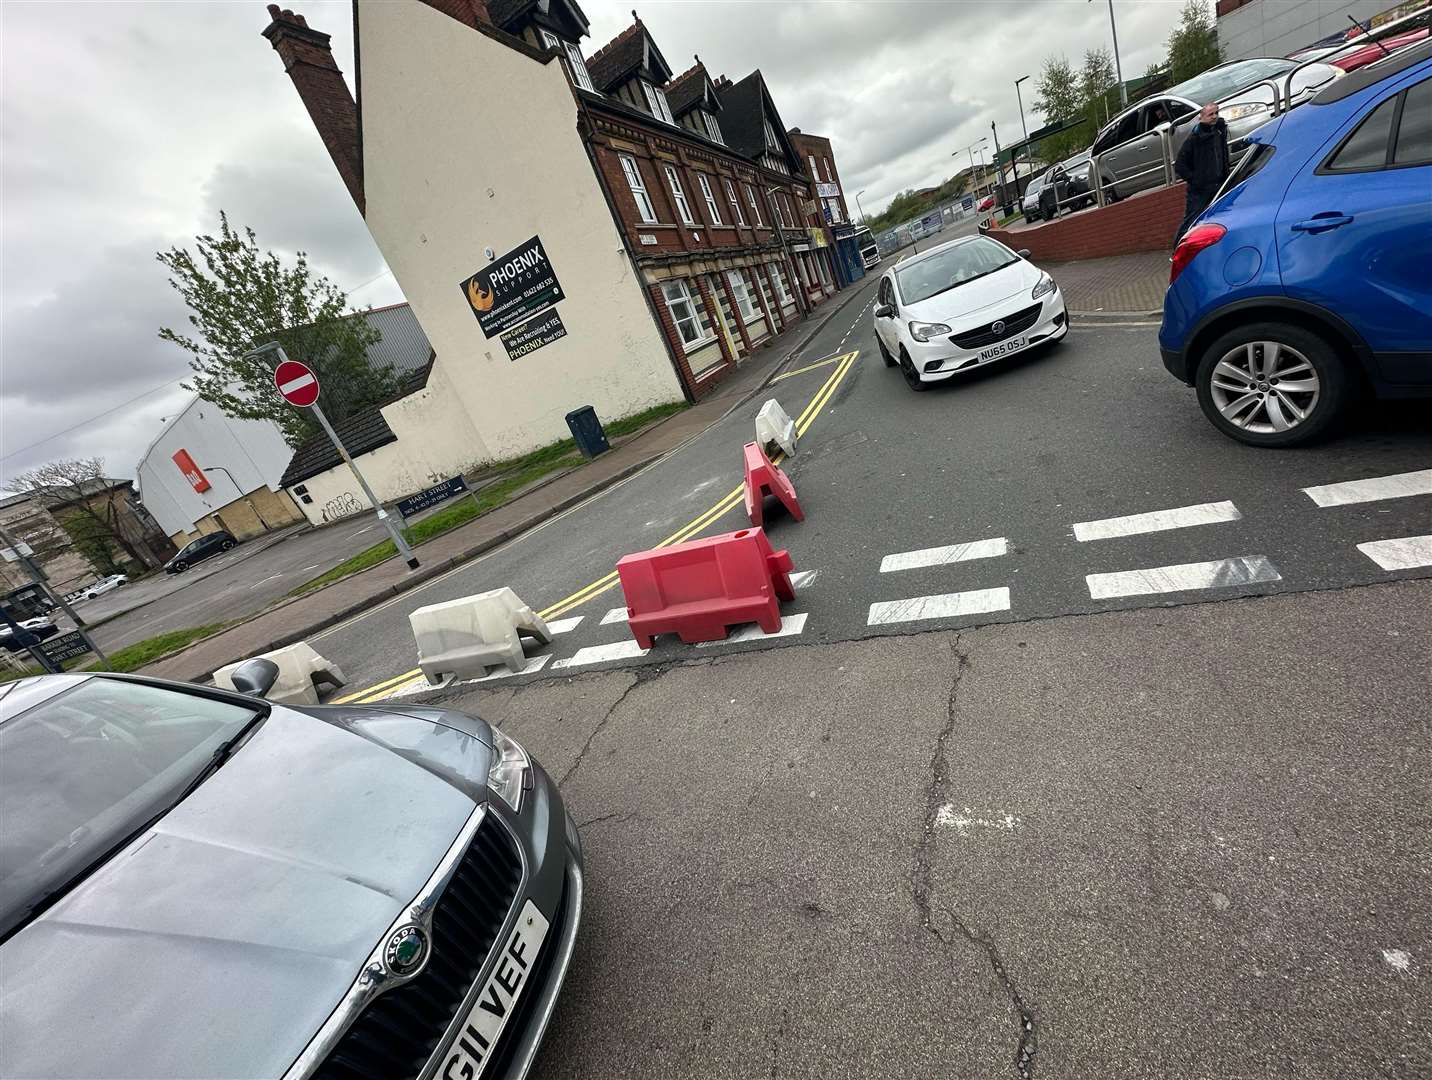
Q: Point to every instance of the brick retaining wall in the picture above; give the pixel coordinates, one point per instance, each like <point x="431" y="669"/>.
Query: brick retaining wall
<point x="1143" y="222"/>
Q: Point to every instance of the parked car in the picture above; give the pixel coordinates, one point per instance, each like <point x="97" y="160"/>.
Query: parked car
<point x="204" y="547"/>
<point x="1307" y="278"/>
<point x="961" y="305"/>
<point x="1375" y="51"/>
<point x="1130" y="144"/>
<point x="104" y="585"/>
<point x="42" y="626"/>
<point x="987" y="203"/>
<point x="273" y="890"/>
<point x="1068" y="186"/>
<point x="1030" y="204"/>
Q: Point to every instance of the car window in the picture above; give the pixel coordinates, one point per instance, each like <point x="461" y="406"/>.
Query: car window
<point x="82" y="771"/>
<point x="1366" y="147"/>
<point x="1414" y="133"/>
<point x="1222" y="81"/>
<point x="951" y="267"/>
<point x="1179" y="109"/>
<point x="1155" y="113"/>
<point x="1122" y="131"/>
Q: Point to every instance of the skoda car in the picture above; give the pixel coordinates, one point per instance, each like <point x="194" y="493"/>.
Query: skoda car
<point x="196" y="883"/>
<point x="961" y="305"/>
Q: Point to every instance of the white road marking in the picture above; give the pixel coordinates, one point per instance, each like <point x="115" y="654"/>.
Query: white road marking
<point x="790" y="626"/>
<point x="306" y="569"/>
<point x="1406" y="553"/>
<point x="1217" y="574"/>
<point x="1396" y="486"/>
<point x="1156" y="521"/>
<point x="564" y="626"/>
<point x="941" y="556"/>
<point x="803" y="579"/>
<point x="943" y="606"/>
<point x="1397" y="959"/>
<point x="600" y="654"/>
<point x="616" y="615"/>
<point x="949" y="816"/>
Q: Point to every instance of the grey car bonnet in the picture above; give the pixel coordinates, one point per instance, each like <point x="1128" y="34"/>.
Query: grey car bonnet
<point x="217" y="944"/>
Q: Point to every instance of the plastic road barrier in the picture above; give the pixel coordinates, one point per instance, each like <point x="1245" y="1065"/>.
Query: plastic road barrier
<point x="774" y="428"/>
<point x="762" y="479"/>
<point x="697" y="589"/>
<point x="300" y="669"/>
<point x="466" y="636"/>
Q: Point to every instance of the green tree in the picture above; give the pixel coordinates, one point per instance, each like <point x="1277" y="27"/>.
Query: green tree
<point x="85" y="503"/>
<point x="1096" y="80"/>
<point x="240" y="297"/>
<point x="1193" y="43"/>
<point x="1057" y="91"/>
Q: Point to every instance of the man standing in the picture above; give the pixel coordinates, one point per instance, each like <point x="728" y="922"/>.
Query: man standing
<point x="1202" y="163"/>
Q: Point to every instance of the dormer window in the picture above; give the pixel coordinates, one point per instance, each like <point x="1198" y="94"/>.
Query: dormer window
<point x="656" y="102"/>
<point x="771" y="137"/>
<point x="575" y="64"/>
<point x="713" y="131"/>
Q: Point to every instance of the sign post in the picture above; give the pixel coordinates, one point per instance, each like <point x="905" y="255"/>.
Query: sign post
<point x="298" y="385"/>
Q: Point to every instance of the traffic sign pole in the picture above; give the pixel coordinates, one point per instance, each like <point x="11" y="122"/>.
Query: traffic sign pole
<point x="298" y="385"/>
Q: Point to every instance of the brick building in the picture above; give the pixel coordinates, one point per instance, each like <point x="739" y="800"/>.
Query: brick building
<point x="831" y="212"/>
<point x="674" y="209"/>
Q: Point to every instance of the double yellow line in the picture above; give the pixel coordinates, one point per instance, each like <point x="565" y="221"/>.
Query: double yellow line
<point x="607" y="582"/>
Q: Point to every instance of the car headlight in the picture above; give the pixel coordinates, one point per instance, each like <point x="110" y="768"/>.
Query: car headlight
<point x="924" y="331"/>
<point x="1234" y="113"/>
<point x="507" y="776"/>
<point x="1044" y="287"/>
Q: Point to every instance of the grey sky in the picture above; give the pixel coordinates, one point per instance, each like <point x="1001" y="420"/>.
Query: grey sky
<point x="126" y="127"/>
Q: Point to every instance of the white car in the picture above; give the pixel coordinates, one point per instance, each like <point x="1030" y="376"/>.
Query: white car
<point x="104" y="585"/>
<point x="961" y="305"/>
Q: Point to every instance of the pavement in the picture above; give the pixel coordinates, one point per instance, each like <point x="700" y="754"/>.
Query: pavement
<point x="272" y="621"/>
<point x="1171" y="843"/>
<point x="1117" y="284"/>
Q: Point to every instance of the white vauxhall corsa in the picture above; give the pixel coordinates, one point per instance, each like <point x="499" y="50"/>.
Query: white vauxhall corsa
<point x="961" y="305"/>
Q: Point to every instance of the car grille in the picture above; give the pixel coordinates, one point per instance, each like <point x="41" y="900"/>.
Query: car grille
<point x="397" y="1034"/>
<point x="981" y="336"/>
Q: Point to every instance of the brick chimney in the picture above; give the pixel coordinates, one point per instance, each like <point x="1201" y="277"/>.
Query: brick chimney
<point x="308" y="59"/>
<point x="467" y="12"/>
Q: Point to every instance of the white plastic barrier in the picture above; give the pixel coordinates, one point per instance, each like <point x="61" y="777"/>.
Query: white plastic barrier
<point x="774" y="426"/>
<point x="300" y="669"/>
<point x="464" y="637"/>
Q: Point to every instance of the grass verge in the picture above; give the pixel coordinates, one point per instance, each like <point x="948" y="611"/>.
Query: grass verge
<point x="518" y="473"/>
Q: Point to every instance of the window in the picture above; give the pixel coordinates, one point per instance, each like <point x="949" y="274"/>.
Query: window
<point x="656" y="102"/>
<point x="682" y="206"/>
<point x="829" y="172"/>
<point x="755" y="206"/>
<point x="712" y="206"/>
<point x="783" y="204"/>
<point x="1414" y="135"/>
<point x="1367" y="146"/>
<point x="549" y="39"/>
<point x="712" y="128"/>
<point x="735" y="204"/>
<point x="578" y="67"/>
<point x="688" y="313"/>
<point x="638" y="189"/>
<point x="783" y="289"/>
<point x="814" y="168"/>
<point x="742" y="294"/>
<point x="771" y="135"/>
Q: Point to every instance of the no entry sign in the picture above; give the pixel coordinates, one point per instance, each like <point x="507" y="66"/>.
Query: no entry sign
<point x="297" y="383"/>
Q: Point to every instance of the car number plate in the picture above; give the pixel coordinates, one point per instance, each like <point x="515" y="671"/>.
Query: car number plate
<point x="1014" y="344"/>
<point x="478" y="1035"/>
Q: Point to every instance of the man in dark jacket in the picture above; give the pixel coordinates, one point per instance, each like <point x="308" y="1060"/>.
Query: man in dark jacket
<point x="1202" y="163"/>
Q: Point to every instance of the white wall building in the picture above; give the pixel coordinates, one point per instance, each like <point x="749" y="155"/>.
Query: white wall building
<point x="1279" y="27"/>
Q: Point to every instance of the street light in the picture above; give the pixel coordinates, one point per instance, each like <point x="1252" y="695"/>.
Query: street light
<point x="859" y="207"/>
<point x="1118" y="67"/>
<point x="971" y="151"/>
<point x="247" y="501"/>
<point x="1019" y="97"/>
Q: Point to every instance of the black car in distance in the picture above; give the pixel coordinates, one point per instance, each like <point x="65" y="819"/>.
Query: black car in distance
<point x="199" y="549"/>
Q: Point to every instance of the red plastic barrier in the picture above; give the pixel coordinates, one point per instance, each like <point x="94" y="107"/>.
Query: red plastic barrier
<point x="697" y="589"/>
<point x="762" y="479"/>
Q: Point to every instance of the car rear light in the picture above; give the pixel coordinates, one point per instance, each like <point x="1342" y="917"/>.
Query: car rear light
<point x="1194" y="241"/>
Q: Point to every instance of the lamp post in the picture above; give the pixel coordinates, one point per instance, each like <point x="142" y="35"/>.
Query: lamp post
<point x="859" y="207"/>
<point x="240" y="492"/>
<point x="971" y="151"/>
<point x="1020" y="98"/>
<point x="1118" y="67"/>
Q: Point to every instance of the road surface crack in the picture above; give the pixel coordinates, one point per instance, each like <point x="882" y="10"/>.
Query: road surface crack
<point x="636" y="681"/>
<point x="937" y="796"/>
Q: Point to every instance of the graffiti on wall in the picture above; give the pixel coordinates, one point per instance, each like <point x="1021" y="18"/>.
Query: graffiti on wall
<point x="341" y="506"/>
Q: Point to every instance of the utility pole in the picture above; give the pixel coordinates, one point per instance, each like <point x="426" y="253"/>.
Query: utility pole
<point x="1020" y="98"/>
<point x="860" y="208"/>
<point x="1003" y="195"/>
<point x="1118" y="67"/>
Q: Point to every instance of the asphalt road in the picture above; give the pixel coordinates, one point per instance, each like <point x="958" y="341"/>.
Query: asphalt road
<point x="240" y="582"/>
<point x="1162" y="843"/>
<point x="1008" y="459"/>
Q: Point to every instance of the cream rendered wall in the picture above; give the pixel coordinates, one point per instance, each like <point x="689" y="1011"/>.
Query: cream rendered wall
<point x="470" y="144"/>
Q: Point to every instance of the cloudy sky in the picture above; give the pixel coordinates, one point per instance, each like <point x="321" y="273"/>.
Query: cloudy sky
<point x="126" y="127"/>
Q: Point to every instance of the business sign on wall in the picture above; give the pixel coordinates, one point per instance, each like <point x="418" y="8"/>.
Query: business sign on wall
<point x="512" y="288"/>
<point x="827" y="191"/>
<point x="531" y="336"/>
<point x="195" y="475"/>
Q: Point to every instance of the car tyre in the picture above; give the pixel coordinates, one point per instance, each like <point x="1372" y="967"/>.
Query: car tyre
<point x="226" y="545"/>
<point x="912" y="377"/>
<point x="1302" y="358"/>
<point x="884" y="352"/>
<point x="180" y="567"/>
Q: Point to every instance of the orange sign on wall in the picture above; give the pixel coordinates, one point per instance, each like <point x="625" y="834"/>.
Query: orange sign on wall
<point x="195" y="475"/>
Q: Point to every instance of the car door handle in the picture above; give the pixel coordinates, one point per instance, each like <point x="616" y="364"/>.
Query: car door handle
<point x="1322" y="223"/>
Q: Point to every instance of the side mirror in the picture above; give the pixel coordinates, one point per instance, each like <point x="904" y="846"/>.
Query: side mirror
<point x="1023" y="253"/>
<point x="884" y="311"/>
<point x="256" y="678"/>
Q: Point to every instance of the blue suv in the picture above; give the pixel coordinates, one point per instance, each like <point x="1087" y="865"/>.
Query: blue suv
<point x="1309" y="278"/>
